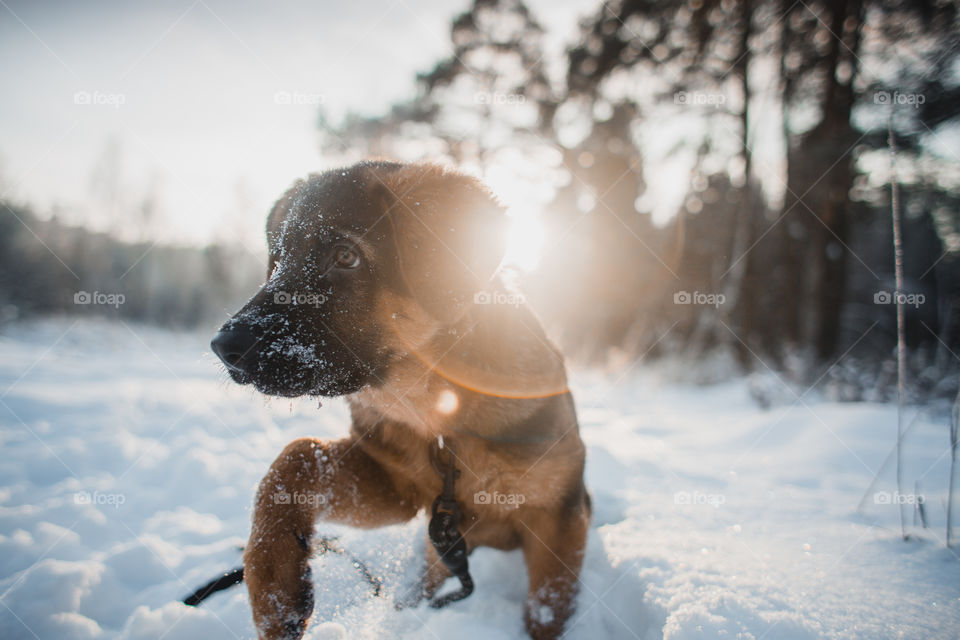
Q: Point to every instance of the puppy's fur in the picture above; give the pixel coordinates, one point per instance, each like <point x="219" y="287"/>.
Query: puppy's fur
<point x="376" y="282"/>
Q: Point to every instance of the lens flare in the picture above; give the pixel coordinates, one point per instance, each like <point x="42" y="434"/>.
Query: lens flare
<point x="448" y="402"/>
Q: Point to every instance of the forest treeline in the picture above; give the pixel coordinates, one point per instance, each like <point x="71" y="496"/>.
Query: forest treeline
<point x="48" y="267"/>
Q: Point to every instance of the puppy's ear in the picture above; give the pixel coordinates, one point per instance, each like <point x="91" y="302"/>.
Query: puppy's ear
<point x="449" y="232"/>
<point x="275" y="220"/>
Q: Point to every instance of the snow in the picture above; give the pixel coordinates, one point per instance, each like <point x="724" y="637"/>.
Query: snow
<point x="129" y="464"/>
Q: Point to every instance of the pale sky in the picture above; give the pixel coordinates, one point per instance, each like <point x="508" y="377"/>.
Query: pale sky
<point x="212" y="101"/>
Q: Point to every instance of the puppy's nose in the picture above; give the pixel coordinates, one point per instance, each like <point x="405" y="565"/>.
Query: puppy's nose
<point x="236" y="347"/>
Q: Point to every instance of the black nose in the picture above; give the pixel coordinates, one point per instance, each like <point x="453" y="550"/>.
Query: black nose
<point x="236" y="347"/>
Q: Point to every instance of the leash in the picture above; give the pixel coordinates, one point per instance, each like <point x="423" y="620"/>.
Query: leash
<point x="443" y="529"/>
<point x="323" y="545"/>
<point x="225" y="581"/>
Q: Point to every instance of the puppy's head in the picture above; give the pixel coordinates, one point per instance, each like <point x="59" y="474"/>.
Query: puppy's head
<point x="366" y="264"/>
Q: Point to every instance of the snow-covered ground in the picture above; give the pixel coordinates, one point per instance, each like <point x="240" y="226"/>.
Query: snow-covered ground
<point x="128" y="464"/>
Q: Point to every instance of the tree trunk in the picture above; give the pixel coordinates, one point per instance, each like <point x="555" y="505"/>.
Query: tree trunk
<point x="733" y="278"/>
<point x="819" y="178"/>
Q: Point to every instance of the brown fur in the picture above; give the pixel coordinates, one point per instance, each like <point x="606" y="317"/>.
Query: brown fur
<point x="483" y="376"/>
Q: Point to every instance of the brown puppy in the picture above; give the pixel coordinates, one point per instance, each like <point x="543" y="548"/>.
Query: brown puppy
<point x="382" y="288"/>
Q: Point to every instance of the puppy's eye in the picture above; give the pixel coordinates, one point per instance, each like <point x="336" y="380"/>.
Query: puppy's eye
<point x="346" y="258"/>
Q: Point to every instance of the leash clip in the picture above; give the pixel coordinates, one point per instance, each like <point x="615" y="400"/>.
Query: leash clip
<point x="443" y="528"/>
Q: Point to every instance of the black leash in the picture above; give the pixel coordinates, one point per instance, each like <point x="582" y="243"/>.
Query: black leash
<point x="323" y="545"/>
<point x="444" y="527"/>
<point x="225" y="581"/>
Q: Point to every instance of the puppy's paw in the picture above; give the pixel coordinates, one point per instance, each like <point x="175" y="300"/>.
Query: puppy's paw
<point x="281" y="591"/>
<point x="281" y="611"/>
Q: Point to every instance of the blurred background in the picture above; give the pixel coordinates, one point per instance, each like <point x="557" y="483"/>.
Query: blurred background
<point x="705" y="182"/>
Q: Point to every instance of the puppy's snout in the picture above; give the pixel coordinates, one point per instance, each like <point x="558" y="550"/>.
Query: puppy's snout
<point x="236" y="347"/>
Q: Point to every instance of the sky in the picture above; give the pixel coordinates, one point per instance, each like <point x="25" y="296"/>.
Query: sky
<point x="209" y="105"/>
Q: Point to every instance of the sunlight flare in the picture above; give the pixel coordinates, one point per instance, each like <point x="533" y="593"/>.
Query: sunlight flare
<point x="524" y="241"/>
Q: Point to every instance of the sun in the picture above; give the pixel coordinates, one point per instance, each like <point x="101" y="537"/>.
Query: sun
<point x="524" y="240"/>
<point x="524" y="188"/>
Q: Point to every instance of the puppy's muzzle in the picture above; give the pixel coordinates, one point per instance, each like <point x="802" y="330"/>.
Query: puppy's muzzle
<point x="236" y="347"/>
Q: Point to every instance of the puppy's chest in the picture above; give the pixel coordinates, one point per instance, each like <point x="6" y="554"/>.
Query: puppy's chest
<point x="486" y="484"/>
<point x="495" y="489"/>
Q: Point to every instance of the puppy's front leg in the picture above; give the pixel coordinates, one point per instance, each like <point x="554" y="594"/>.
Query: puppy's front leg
<point x="311" y="479"/>
<point x="553" y="547"/>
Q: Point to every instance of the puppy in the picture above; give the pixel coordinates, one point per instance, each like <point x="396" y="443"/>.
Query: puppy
<point x="382" y="288"/>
